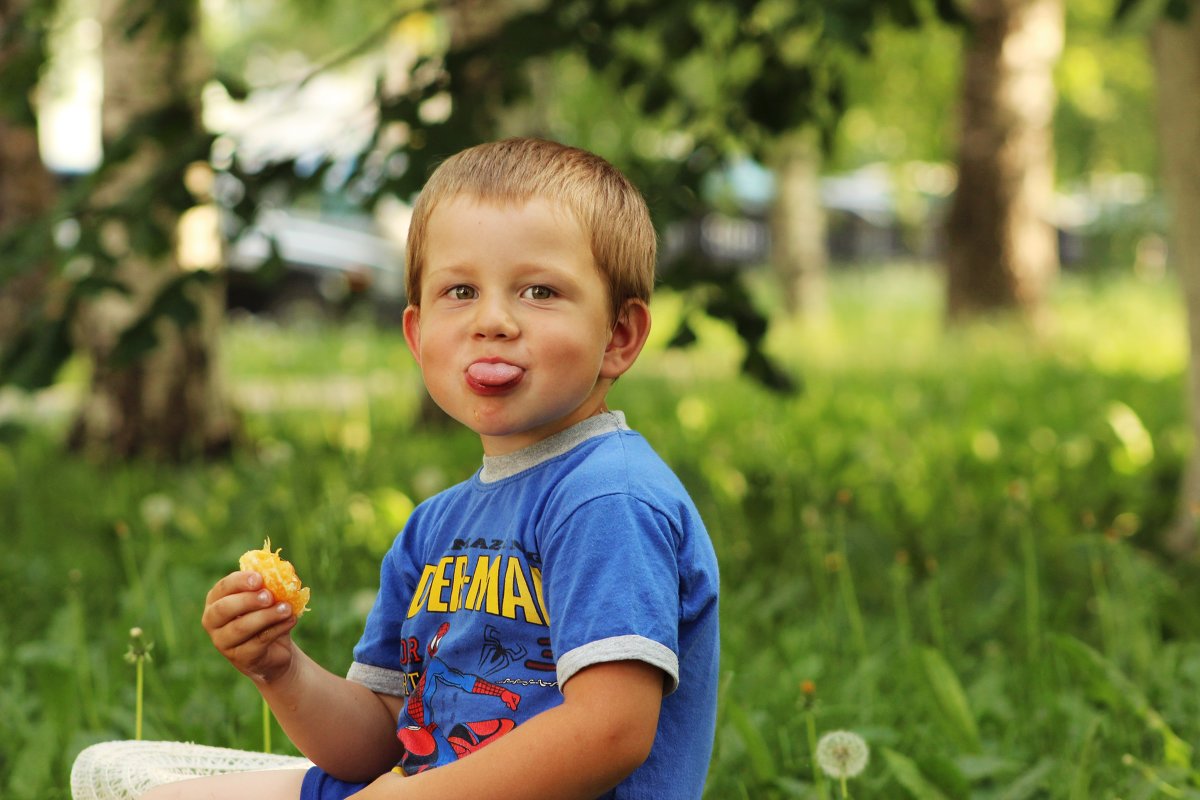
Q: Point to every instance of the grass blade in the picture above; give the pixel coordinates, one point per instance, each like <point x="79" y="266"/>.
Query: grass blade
<point x="1107" y="684"/>
<point x="909" y="775"/>
<point x="756" y="745"/>
<point x="951" y="699"/>
<point x="1031" y="782"/>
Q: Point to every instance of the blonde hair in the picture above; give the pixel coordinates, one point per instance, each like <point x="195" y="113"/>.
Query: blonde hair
<point x="607" y="206"/>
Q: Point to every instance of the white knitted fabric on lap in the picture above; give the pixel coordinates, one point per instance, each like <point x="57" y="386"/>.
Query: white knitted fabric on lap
<point x="124" y="770"/>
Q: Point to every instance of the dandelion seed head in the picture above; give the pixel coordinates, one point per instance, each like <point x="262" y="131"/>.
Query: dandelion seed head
<point x="157" y="510"/>
<point x="842" y="754"/>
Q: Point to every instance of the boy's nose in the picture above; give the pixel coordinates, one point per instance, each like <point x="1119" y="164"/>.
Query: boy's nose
<point x="493" y="320"/>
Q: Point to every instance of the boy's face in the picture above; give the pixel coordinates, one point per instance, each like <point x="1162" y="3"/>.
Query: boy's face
<point x="513" y="333"/>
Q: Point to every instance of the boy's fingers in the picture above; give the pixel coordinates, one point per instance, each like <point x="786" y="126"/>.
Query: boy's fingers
<point x="226" y="610"/>
<point x="239" y="581"/>
<point x="247" y="624"/>
<point x="247" y="645"/>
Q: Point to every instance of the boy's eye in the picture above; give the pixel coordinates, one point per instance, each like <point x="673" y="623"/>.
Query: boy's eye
<point x="539" y="293"/>
<point x="462" y="293"/>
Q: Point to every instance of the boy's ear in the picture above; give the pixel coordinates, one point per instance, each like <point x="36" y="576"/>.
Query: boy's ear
<point x="628" y="337"/>
<point x="412" y="331"/>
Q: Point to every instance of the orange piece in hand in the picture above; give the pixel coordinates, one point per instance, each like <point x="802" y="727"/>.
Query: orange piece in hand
<point x="279" y="576"/>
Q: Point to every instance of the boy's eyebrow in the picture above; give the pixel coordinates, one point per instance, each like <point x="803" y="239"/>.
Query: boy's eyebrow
<point x="526" y="270"/>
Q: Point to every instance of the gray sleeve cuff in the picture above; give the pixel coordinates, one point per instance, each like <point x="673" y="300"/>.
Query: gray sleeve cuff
<point x="621" y="648"/>
<point x="378" y="679"/>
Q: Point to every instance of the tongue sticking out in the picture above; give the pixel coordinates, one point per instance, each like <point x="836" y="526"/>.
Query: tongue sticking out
<point x="496" y="374"/>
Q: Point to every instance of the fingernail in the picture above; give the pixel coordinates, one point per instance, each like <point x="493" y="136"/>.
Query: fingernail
<point x="264" y="597"/>
<point x="283" y="608"/>
<point x="254" y="581"/>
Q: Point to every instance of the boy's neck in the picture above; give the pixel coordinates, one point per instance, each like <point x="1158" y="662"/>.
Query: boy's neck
<point x="499" y="467"/>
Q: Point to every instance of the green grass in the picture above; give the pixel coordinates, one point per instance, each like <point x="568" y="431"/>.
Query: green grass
<point x="954" y="535"/>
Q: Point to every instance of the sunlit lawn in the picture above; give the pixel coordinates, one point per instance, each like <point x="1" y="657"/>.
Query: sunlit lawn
<point x="953" y="534"/>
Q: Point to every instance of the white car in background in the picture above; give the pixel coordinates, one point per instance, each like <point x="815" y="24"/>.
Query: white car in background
<point x="329" y="263"/>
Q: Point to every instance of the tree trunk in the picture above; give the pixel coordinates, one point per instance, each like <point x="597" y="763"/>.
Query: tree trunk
<point x="1001" y="250"/>
<point x="26" y="187"/>
<point x="798" y="249"/>
<point x="171" y="404"/>
<point x="1176" y="55"/>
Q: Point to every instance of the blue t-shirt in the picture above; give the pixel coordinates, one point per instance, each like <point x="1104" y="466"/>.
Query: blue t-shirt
<point x="582" y="549"/>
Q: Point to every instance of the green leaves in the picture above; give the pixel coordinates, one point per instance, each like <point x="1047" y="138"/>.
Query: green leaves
<point x="33" y="359"/>
<point x="24" y="29"/>
<point x="1109" y="685"/>
<point x="1145" y="10"/>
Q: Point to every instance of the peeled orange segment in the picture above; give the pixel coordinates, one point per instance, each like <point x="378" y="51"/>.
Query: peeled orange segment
<point x="279" y="576"/>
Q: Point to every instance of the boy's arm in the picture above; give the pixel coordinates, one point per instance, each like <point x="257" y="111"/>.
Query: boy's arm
<point x="602" y="732"/>
<point x="342" y="726"/>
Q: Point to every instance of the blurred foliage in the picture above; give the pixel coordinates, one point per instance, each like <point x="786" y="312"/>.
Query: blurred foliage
<point x="882" y="123"/>
<point x="24" y="30"/>
<point x="251" y="40"/>
<point x="1104" y="122"/>
<point x="669" y="91"/>
<point x="1105" y="118"/>
<point x="1142" y="13"/>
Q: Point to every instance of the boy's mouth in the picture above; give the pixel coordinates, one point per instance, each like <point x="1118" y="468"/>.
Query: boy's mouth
<point x="489" y="377"/>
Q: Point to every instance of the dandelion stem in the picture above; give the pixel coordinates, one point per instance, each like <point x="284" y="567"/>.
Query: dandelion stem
<point x="815" y="538"/>
<point x="845" y="790"/>
<point x="1108" y="637"/>
<point x="849" y="595"/>
<point x="818" y="778"/>
<point x="1032" y="597"/>
<point x="937" y="624"/>
<point x="1081" y="784"/>
<point x="85" y="676"/>
<point x="266" y="726"/>
<point x="900" y="583"/>
<point x="129" y="561"/>
<point x="137" y="711"/>
<point x="138" y="654"/>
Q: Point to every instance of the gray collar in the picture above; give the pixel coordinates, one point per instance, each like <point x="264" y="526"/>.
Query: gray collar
<point x="499" y="467"/>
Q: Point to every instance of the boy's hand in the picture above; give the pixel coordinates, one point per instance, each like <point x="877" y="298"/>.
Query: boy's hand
<point x="249" y="627"/>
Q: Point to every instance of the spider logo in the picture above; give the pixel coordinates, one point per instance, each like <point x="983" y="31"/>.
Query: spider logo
<point x="494" y="656"/>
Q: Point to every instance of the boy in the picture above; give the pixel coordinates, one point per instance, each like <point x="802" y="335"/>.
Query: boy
<point x="548" y="628"/>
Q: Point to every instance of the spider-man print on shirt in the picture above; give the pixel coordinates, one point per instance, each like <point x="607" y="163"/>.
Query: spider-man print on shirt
<point x="427" y="742"/>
